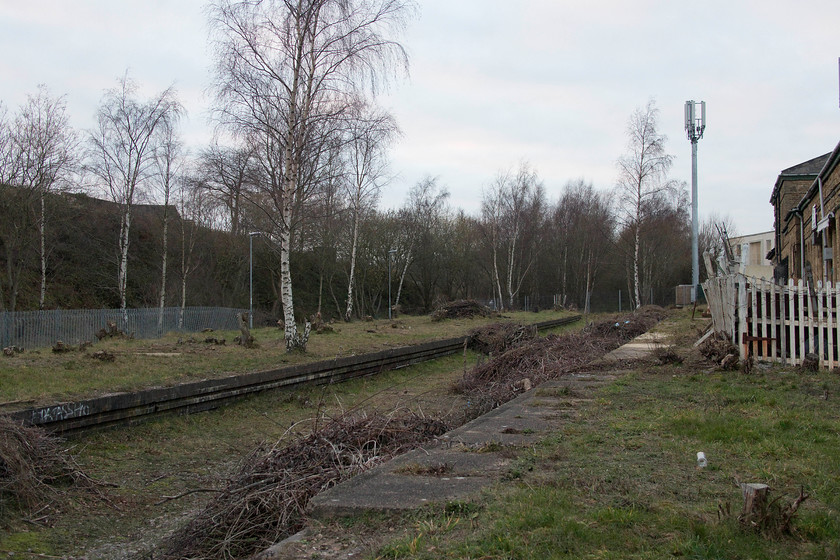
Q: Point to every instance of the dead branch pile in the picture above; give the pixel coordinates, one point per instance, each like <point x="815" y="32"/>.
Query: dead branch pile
<point x="498" y="337"/>
<point x="33" y="468"/>
<point x="628" y="327"/>
<point x="265" y="501"/>
<point x="461" y="309"/>
<point x="498" y="380"/>
<point x="111" y="332"/>
<point x="12" y="350"/>
<point x="717" y="347"/>
<point x="779" y="517"/>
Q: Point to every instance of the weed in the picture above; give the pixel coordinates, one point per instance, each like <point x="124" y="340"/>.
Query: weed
<point x="416" y="469"/>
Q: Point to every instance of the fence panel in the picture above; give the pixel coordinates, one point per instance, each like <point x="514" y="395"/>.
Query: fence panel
<point x="35" y="329"/>
<point x="777" y="322"/>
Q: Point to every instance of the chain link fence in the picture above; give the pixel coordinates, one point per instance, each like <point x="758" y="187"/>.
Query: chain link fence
<point x="35" y="329"/>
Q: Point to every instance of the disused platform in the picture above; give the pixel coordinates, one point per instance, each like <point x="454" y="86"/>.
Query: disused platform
<point x="462" y="461"/>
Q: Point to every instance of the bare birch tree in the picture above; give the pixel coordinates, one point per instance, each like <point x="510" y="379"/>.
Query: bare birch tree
<point x="491" y="222"/>
<point x="15" y="238"/>
<point x="285" y="70"/>
<point x="46" y="155"/>
<point x="168" y="159"/>
<point x="424" y="212"/>
<point x="643" y="173"/>
<point x="369" y="133"/>
<point x="193" y="214"/>
<point x="121" y="154"/>
<point x="513" y="214"/>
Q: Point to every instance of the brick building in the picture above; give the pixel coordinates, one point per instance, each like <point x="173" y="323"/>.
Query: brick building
<point x="805" y="199"/>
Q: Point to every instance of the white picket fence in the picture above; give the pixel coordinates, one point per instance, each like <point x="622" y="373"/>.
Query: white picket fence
<point x="777" y="322"/>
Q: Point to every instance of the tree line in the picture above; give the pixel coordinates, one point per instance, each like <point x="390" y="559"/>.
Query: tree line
<point x="124" y="215"/>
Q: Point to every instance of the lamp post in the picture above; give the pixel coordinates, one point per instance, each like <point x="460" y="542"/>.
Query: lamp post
<point x="694" y="127"/>
<point x="251" y="278"/>
<point x="390" y="252"/>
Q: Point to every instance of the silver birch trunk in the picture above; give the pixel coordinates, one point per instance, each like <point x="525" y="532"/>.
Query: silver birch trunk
<point x="286" y="299"/>
<point x="348" y="313"/>
<point x="511" y="256"/>
<point x="289" y="326"/>
<point x="42" y="231"/>
<point x="402" y="278"/>
<point x="636" y="288"/>
<point x="588" y="295"/>
<point x="183" y="295"/>
<point x="496" y="279"/>
<point x="163" y="261"/>
<point x="122" y="272"/>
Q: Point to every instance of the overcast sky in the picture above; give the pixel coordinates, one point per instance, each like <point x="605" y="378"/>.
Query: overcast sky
<point x="497" y="82"/>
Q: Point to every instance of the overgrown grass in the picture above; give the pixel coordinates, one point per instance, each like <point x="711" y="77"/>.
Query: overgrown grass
<point x="40" y="376"/>
<point x="620" y="481"/>
<point x="167" y="457"/>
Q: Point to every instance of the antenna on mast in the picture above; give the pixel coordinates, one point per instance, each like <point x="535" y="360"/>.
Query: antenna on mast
<point x="695" y="124"/>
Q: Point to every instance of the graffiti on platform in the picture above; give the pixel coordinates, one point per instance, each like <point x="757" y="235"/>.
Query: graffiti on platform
<point x="59" y="412"/>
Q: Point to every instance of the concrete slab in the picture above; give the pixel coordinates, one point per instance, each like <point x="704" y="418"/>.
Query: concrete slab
<point x="639" y="348"/>
<point x="466" y="459"/>
<point x="461" y="462"/>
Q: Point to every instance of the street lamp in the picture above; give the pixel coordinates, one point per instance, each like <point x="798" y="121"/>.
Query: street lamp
<point x="390" y="252"/>
<point x="251" y="278"/>
<point x="694" y="127"/>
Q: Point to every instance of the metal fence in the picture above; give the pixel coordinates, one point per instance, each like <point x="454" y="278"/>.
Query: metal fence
<point x="34" y="329"/>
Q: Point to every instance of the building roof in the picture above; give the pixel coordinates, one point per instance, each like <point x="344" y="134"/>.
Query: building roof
<point x="810" y="167"/>
<point x="803" y="171"/>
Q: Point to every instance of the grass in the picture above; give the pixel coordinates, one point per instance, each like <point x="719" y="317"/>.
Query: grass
<point x="620" y="480"/>
<point x="41" y="377"/>
<point x="171" y="456"/>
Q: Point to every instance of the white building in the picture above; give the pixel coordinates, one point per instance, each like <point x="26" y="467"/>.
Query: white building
<point x="751" y="253"/>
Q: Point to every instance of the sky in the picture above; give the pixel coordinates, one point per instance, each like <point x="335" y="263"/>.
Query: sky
<point x="494" y="83"/>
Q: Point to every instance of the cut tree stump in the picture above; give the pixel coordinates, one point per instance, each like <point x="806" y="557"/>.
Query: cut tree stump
<point x="755" y="495"/>
<point x="245" y="339"/>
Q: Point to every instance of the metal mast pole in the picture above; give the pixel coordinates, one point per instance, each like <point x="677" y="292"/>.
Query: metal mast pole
<point x="695" y="227"/>
<point x="694" y="127"/>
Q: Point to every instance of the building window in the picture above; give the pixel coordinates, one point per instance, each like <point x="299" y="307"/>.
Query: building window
<point x="756" y="258"/>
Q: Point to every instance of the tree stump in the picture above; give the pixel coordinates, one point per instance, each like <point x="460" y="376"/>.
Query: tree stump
<point x="811" y="362"/>
<point x="245" y="338"/>
<point x="754" y="513"/>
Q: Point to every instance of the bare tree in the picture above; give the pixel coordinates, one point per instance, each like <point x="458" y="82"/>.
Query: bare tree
<point x="121" y="153"/>
<point x="193" y="211"/>
<point x="491" y="222"/>
<point x="583" y="233"/>
<point x="227" y="172"/>
<point x="424" y="213"/>
<point x="513" y="214"/>
<point x="369" y="134"/>
<point x="643" y="173"/>
<point x="6" y="151"/>
<point x="46" y="148"/>
<point x="15" y="238"/>
<point x="168" y="159"/>
<point x="39" y="154"/>
<point x="714" y="234"/>
<point x="285" y="70"/>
